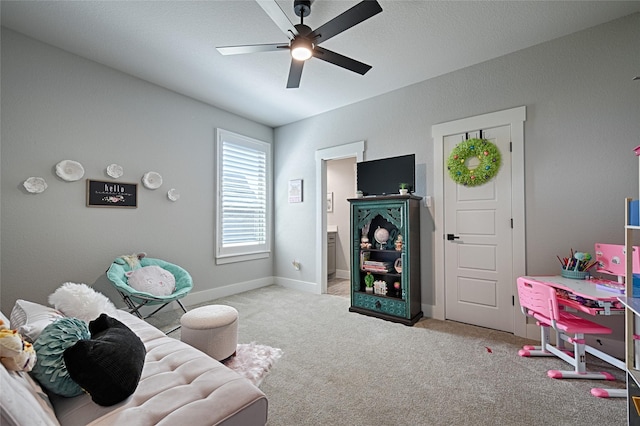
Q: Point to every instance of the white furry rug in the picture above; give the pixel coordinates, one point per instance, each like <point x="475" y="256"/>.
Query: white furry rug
<point x="254" y="361"/>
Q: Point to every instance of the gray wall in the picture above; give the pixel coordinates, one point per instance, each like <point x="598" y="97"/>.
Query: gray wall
<point x="583" y="120"/>
<point x="59" y="106"/>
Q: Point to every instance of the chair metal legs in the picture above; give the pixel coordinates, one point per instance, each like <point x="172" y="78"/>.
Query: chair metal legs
<point x="135" y="308"/>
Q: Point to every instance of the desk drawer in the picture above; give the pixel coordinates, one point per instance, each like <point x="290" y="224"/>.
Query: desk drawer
<point x="615" y="309"/>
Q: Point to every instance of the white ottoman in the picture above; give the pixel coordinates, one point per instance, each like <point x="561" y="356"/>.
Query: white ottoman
<point x="213" y="329"/>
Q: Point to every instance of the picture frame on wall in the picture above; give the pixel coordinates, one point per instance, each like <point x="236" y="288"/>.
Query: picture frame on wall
<point x="295" y="191"/>
<point x="111" y="194"/>
<point x="329" y="202"/>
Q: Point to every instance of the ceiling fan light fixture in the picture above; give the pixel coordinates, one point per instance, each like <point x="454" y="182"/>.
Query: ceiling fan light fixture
<point x="301" y="49"/>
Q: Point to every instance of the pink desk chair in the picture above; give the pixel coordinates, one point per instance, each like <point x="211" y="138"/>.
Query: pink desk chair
<point x="539" y="301"/>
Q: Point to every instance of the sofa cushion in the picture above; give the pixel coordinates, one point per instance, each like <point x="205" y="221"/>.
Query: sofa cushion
<point x="50" y="369"/>
<point x="31" y="318"/>
<point x="22" y="400"/>
<point x="108" y="366"/>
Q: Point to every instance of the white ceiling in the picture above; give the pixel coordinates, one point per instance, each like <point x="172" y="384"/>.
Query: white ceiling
<point x="172" y="44"/>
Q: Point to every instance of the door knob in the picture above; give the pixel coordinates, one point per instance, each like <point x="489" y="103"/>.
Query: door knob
<point x="452" y="237"/>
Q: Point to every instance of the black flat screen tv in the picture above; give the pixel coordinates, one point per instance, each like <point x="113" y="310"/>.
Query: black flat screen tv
<point x="384" y="176"/>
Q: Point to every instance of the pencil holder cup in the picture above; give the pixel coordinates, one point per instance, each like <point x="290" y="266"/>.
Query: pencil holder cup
<point x="574" y="275"/>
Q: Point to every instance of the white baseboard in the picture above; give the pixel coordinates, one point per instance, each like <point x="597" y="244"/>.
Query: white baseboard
<point x="343" y="274"/>
<point x="309" y="287"/>
<point x="196" y="297"/>
<point x="427" y="310"/>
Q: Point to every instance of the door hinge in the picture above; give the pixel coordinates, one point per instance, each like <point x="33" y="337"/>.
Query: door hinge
<point x="511" y="223"/>
<point x="513" y="300"/>
<point x="510" y="146"/>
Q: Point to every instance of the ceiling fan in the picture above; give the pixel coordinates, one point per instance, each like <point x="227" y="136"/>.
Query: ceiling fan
<point x="304" y="42"/>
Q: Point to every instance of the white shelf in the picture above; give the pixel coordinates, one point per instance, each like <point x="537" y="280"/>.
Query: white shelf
<point x="632" y="316"/>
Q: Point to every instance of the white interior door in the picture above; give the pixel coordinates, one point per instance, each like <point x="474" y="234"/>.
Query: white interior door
<point x="478" y="262"/>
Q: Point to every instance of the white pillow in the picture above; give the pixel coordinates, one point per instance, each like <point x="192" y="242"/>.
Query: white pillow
<point x="81" y="301"/>
<point x="153" y="280"/>
<point x="31" y="318"/>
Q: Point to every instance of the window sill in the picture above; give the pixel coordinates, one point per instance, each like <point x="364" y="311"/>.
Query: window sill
<point x="222" y="260"/>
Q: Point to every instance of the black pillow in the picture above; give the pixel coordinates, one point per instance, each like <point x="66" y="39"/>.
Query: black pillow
<point x="109" y="365"/>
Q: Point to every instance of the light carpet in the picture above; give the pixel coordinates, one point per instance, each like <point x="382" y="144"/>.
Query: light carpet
<point x="254" y="361"/>
<point x="342" y="368"/>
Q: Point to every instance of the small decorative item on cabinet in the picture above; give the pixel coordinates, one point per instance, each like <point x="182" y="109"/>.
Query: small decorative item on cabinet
<point x="380" y="287"/>
<point x="399" y="243"/>
<point x="368" y="282"/>
<point x="396" y="287"/>
<point x="404" y="189"/>
<point x="397" y="265"/>
<point x="382" y="236"/>
<point x="364" y="242"/>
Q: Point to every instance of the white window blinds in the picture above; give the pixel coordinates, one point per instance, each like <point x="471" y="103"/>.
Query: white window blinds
<point x="243" y="195"/>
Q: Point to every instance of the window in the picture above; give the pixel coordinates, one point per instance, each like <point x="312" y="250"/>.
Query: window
<point x="243" y="196"/>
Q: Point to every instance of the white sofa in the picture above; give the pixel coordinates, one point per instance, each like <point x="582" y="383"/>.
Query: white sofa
<point x="179" y="386"/>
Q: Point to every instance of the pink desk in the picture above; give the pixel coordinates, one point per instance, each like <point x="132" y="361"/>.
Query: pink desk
<point x="597" y="302"/>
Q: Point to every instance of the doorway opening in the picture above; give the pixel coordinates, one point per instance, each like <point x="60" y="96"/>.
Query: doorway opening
<point x="353" y="150"/>
<point x="341" y="185"/>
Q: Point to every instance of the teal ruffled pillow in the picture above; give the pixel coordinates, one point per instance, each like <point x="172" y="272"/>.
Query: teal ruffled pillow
<point x="50" y="370"/>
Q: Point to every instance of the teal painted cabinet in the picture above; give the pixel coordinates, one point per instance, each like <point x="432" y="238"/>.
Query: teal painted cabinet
<point x="385" y="257"/>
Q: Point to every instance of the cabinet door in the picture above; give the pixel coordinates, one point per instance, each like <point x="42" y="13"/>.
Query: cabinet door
<point x="331" y="254"/>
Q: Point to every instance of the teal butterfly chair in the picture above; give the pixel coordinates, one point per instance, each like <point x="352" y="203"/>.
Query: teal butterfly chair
<point x="135" y="299"/>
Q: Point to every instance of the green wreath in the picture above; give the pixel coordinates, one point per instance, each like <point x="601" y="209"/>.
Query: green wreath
<point x="485" y="151"/>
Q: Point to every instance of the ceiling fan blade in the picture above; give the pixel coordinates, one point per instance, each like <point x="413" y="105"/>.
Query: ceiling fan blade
<point x="278" y="16"/>
<point x="295" y="73"/>
<point x="340" y="60"/>
<point x="251" y="48"/>
<point x="358" y="13"/>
